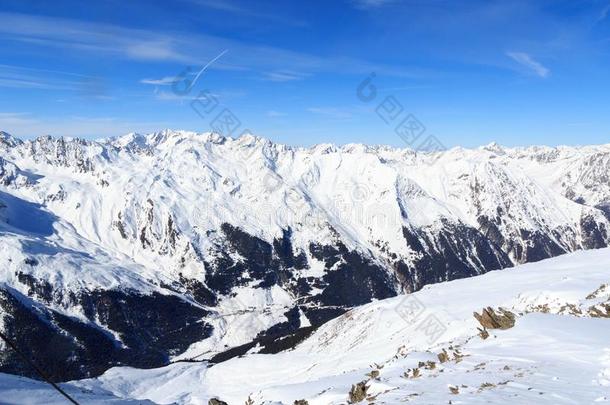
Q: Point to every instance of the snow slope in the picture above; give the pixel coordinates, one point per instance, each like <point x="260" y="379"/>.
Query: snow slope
<point x="552" y="355"/>
<point x="206" y="243"/>
<point x="22" y="390"/>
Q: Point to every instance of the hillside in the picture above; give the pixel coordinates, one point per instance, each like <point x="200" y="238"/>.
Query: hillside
<point x="145" y="249"/>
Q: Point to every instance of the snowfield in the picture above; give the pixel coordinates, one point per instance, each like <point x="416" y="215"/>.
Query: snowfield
<point x="136" y="254"/>
<point x="558" y="351"/>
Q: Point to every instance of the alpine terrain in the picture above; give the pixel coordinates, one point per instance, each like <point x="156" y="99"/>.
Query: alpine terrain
<point x="175" y="247"/>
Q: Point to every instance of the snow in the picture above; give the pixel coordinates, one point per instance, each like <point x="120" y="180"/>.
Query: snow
<point x="544" y="358"/>
<point x="24" y="391"/>
<point x="241" y="317"/>
<point x="366" y="194"/>
<point x="61" y="202"/>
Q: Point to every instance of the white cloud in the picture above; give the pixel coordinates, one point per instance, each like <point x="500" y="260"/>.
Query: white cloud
<point x="527" y="61"/>
<point x="171" y="96"/>
<point x="275" y="114"/>
<point x="165" y="81"/>
<point x="9" y="119"/>
<point x="233" y="8"/>
<point x="90" y="37"/>
<point x="152" y="50"/>
<point x="283" y="76"/>
<point x="28" y="78"/>
<point x="107" y="40"/>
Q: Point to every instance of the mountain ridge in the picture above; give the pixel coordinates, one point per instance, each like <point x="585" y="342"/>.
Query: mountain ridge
<point x="257" y="240"/>
<point x="490" y="146"/>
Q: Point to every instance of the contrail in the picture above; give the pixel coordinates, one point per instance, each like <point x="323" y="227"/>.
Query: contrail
<point x="206" y="66"/>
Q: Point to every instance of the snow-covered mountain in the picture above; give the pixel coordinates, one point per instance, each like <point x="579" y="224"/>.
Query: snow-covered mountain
<point x="143" y="249"/>
<point x="556" y="350"/>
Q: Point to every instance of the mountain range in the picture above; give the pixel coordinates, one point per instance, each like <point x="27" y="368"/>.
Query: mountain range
<point x="146" y="250"/>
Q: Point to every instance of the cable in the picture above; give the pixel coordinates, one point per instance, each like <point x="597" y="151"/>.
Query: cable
<point x="39" y="371"/>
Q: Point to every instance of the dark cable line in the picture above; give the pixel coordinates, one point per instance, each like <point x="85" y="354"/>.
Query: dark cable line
<point x="38" y="370"/>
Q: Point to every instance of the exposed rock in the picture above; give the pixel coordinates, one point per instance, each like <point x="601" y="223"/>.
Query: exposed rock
<point x="441" y="256"/>
<point x="301" y="402"/>
<point x="119" y="226"/>
<point x="349" y="270"/>
<point x="570" y="309"/>
<point x="443" y="356"/>
<point x="495" y="319"/>
<point x="358" y="392"/>
<point x="216" y="401"/>
<point x="600" y="311"/>
<point x="597" y="293"/>
<point x="428" y="365"/>
<point x="151" y="328"/>
<point x="483" y="334"/>
<point x="485" y="386"/>
<point x="457" y="356"/>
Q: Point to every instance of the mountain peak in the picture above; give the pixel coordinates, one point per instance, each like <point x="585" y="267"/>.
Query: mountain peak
<point x="9" y="140"/>
<point x="494" y="147"/>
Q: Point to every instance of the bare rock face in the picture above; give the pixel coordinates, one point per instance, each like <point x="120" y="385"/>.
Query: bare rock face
<point x="600" y="311"/>
<point x="216" y="401"/>
<point x="495" y="319"/>
<point x="301" y="402"/>
<point x="443" y="356"/>
<point x="599" y="292"/>
<point x="358" y="392"/>
<point x="483" y="334"/>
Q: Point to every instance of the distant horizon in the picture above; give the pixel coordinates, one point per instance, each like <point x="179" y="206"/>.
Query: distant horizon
<point x="304" y="146"/>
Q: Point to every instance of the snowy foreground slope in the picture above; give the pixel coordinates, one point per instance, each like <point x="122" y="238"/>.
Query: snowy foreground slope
<point x="558" y="351"/>
<point x="144" y="249"/>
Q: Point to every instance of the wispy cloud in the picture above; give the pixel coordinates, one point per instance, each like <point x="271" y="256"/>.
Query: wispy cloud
<point x="165" y="81"/>
<point x="237" y="9"/>
<point x="11" y="119"/>
<point x="90" y="37"/>
<point x="530" y="63"/>
<point x="368" y="4"/>
<point x="603" y="14"/>
<point x="27" y="78"/>
<point x="222" y="95"/>
<point x="171" y="96"/>
<point x="153" y="45"/>
<point x="283" y="76"/>
<point x="275" y="114"/>
<point x="162" y="49"/>
<point x="30" y="69"/>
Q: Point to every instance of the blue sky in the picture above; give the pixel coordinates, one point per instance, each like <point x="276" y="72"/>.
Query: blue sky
<point x="472" y="72"/>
